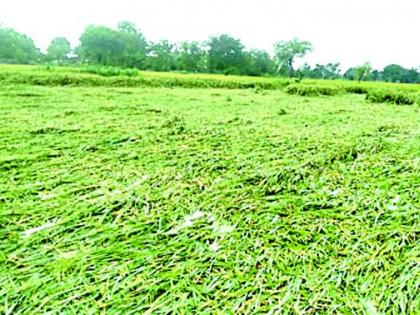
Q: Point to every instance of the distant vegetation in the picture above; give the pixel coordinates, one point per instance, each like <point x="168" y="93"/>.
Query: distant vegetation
<point x="102" y="76"/>
<point x="126" y="47"/>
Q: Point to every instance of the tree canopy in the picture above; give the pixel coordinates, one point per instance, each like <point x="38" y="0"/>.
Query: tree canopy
<point x="362" y="71"/>
<point x="125" y="47"/>
<point x="226" y="54"/>
<point x="191" y="57"/>
<point x="285" y="53"/>
<point x="17" y="48"/>
<point x="59" y="50"/>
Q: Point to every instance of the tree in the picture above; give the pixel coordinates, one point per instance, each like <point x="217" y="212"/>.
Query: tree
<point x="411" y="76"/>
<point x="59" y="50"/>
<point x="125" y="47"/>
<point x="329" y="71"/>
<point x="127" y="27"/>
<point x="332" y="71"/>
<point x="362" y="71"/>
<point x="191" y="57"/>
<point x="100" y="45"/>
<point x="258" y="63"/>
<point x="376" y="75"/>
<point x="135" y="46"/>
<point x="393" y="73"/>
<point x="304" y="71"/>
<point x="350" y="74"/>
<point x="397" y="73"/>
<point x="226" y="54"/>
<point x="286" y="52"/>
<point x="17" y="48"/>
<point x="161" y="56"/>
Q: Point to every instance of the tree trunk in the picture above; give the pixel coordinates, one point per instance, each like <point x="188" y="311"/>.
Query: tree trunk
<point x="291" y="70"/>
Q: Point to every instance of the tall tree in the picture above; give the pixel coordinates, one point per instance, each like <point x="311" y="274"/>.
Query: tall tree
<point x="59" y="50"/>
<point x="135" y="46"/>
<point x="411" y="76"/>
<point x="125" y="47"/>
<point x="191" y="57"/>
<point x="127" y="27"/>
<point x="287" y="51"/>
<point x="397" y="73"/>
<point x="362" y="71"/>
<point x="328" y="71"/>
<point x="258" y="63"/>
<point x="376" y="75"/>
<point x="100" y="45"/>
<point x="17" y="48"/>
<point x="226" y="54"/>
<point x="161" y="56"/>
<point x="350" y="74"/>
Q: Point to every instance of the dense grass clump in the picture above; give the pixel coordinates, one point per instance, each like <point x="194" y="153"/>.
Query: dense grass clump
<point x="312" y="90"/>
<point x="356" y="89"/>
<point x="110" y="71"/>
<point x="395" y="97"/>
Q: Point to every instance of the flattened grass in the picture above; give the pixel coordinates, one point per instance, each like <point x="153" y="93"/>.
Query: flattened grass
<point x="157" y="200"/>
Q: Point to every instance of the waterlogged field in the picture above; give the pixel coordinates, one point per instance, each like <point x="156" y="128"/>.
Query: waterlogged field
<point x="219" y="201"/>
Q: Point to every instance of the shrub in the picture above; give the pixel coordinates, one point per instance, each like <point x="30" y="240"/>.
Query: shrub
<point x="395" y="97"/>
<point x="110" y="71"/>
<point x="312" y="90"/>
<point x="357" y="89"/>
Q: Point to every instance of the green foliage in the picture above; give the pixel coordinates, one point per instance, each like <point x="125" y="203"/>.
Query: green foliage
<point x="362" y="71"/>
<point x="125" y="47"/>
<point x="191" y="57"/>
<point x="100" y="45"/>
<point x="350" y="74"/>
<point x="226" y="55"/>
<point x="396" y="73"/>
<point x="285" y="52"/>
<point x="58" y="51"/>
<point x="258" y="63"/>
<point x="312" y="90"/>
<point x="357" y="89"/>
<point x="17" y="48"/>
<point x="161" y="56"/>
<point x="110" y="71"/>
<point x="395" y="97"/>
<point x="330" y="71"/>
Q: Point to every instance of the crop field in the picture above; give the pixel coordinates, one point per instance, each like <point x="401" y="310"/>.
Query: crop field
<point x="226" y="196"/>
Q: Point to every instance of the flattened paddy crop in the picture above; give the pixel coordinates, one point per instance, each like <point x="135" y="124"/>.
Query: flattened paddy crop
<point x="206" y="201"/>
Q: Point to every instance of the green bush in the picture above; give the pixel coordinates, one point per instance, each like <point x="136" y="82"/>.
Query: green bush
<point x="357" y="89"/>
<point x="312" y="90"/>
<point x="395" y="97"/>
<point x="110" y="71"/>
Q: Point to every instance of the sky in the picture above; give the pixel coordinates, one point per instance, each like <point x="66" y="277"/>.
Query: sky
<point x="347" y="31"/>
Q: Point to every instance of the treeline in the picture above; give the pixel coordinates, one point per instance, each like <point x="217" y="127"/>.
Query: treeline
<point x="391" y="73"/>
<point x="126" y="47"/>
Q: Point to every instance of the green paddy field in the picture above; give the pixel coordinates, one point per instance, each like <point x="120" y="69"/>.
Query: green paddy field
<point x="205" y="194"/>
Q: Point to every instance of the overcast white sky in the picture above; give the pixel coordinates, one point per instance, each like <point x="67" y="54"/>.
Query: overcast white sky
<point x="348" y="31"/>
